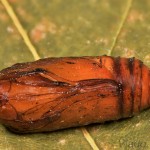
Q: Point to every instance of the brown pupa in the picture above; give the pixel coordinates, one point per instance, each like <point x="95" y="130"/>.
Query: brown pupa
<point x="57" y="93"/>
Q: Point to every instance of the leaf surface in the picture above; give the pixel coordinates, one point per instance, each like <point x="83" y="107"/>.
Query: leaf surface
<point x="78" y="28"/>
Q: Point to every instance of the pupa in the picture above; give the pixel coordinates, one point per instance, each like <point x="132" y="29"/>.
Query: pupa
<point x="56" y="93"/>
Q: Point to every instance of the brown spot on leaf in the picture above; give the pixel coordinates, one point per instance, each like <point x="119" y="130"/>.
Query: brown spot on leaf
<point x="147" y="59"/>
<point x="135" y="16"/>
<point x="129" y="52"/>
<point x="41" y="29"/>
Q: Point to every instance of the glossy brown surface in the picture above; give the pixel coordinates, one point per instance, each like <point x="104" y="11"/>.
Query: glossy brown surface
<point x="56" y="93"/>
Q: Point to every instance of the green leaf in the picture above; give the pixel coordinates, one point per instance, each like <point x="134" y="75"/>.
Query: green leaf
<point x="76" y="28"/>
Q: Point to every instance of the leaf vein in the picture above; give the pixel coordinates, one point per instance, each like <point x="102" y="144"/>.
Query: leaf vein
<point x="20" y="28"/>
<point x="89" y="139"/>
<point x="123" y="20"/>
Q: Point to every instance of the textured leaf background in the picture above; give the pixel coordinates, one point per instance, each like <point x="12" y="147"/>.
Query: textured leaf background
<point x="76" y="28"/>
